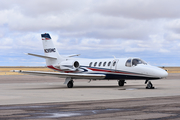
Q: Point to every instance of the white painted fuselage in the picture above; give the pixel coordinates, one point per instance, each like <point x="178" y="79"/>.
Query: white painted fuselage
<point x="113" y="68"/>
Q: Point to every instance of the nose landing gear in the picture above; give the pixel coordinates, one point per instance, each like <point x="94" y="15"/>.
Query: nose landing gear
<point x="149" y="85"/>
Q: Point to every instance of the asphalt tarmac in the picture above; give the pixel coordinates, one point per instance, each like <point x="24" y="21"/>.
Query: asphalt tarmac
<point x="36" y="97"/>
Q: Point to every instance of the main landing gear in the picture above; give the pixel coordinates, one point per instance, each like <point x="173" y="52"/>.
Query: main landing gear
<point x="70" y="84"/>
<point x="149" y="85"/>
<point x="121" y="82"/>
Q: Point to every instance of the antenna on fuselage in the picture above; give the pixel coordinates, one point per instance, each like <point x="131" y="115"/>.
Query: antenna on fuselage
<point x="114" y="56"/>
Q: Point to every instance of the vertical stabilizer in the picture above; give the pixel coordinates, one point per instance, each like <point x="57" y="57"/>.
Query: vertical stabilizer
<point x="50" y="50"/>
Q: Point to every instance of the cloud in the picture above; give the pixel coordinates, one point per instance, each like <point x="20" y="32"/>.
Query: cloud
<point x="174" y="26"/>
<point x="139" y="9"/>
<point x="105" y="27"/>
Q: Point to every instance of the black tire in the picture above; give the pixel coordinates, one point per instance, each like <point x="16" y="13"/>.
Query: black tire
<point x="121" y="82"/>
<point x="70" y="84"/>
<point x="149" y="86"/>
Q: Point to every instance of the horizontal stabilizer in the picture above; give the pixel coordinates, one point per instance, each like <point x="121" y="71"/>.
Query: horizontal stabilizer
<point x="42" y="56"/>
<point x="73" y="55"/>
<point x="63" y="75"/>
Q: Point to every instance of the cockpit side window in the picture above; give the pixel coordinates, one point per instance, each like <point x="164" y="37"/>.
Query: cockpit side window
<point x="128" y="63"/>
<point x="135" y="62"/>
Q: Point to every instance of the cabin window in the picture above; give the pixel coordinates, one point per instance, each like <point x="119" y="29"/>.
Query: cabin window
<point x="114" y="63"/>
<point x="109" y="63"/>
<point x="104" y="64"/>
<point x="90" y="64"/>
<point x="128" y="63"/>
<point x="100" y="64"/>
<point x="95" y="64"/>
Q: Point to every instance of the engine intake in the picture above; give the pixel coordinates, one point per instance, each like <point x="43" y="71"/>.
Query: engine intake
<point x="76" y="64"/>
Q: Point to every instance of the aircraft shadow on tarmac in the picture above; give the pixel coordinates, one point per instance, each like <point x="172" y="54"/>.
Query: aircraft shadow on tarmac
<point x="64" y="87"/>
<point x="127" y="87"/>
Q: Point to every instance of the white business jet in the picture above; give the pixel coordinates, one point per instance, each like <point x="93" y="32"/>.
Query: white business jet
<point x="71" y="68"/>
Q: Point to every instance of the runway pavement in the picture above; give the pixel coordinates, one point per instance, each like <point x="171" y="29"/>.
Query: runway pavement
<point x="35" y="91"/>
<point x="158" y="108"/>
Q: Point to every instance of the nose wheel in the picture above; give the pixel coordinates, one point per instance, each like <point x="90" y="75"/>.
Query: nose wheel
<point x="149" y="85"/>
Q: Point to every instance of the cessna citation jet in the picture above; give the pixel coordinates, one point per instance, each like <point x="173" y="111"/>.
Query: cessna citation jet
<point x="70" y="68"/>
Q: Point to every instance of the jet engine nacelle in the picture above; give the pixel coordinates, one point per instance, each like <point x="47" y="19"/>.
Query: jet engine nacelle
<point x="69" y="65"/>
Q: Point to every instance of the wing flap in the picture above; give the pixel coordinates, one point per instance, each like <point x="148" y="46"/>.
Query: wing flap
<point x="63" y="75"/>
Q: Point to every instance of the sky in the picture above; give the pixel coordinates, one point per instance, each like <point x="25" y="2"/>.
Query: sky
<point x="148" y="29"/>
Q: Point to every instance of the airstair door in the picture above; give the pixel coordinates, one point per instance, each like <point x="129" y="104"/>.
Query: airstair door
<point x="114" y="64"/>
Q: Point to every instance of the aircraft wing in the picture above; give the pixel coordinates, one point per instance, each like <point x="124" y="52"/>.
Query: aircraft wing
<point x="63" y="75"/>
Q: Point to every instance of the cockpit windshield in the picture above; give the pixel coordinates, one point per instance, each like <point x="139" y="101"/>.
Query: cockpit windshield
<point x="134" y="62"/>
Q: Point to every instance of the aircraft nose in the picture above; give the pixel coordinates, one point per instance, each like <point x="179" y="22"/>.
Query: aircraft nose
<point x="156" y="72"/>
<point x="163" y="73"/>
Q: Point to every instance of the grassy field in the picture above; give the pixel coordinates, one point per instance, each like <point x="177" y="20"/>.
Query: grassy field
<point x="6" y="70"/>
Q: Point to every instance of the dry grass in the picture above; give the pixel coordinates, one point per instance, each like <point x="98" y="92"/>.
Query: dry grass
<point x="6" y="70"/>
<point x="172" y="69"/>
